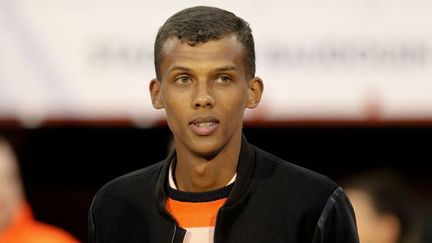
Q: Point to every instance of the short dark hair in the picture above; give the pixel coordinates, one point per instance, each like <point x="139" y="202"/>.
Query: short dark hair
<point x="201" y="24"/>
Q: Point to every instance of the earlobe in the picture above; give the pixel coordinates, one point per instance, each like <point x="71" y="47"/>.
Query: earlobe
<point x="256" y="88"/>
<point x="155" y="93"/>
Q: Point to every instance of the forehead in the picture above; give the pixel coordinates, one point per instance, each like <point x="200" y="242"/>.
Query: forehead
<point x="221" y="52"/>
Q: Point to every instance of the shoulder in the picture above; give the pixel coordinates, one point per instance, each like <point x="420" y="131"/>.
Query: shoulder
<point x="307" y="196"/>
<point x="128" y="186"/>
<point x="293" y="182"/>
<point x="128" y="198"/>
<point x="292" y="173"/>
<point x="337" y="221"/>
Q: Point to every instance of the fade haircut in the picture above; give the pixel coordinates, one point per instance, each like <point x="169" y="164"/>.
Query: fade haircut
<point x="201" y="24"/>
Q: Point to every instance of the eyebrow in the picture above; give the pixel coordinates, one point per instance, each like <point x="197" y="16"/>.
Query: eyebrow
<point x="185" y="69"/>
<point x="179" y="68"/>
<point x="226" y="68"/>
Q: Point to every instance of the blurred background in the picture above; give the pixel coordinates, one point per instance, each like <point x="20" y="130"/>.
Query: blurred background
<point x="348" y="89"/>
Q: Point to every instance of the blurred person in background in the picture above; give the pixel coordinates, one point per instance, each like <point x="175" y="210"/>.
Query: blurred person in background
<point x="17" y="224"/>
<point x="385" y="207"/>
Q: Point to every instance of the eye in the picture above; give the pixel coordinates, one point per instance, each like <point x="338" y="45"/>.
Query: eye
<point x="223" y="79"/>
<point x="183" y="79"/>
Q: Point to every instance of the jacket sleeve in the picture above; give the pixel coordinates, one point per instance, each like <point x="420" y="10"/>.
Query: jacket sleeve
<point x="91" y="226"/>
<point x="337" y="221"/>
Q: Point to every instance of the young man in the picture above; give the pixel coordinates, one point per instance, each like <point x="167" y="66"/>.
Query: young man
<point x="215" y="186"/>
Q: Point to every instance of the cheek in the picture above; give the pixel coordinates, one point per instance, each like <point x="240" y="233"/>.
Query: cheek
<point x="174" y="102"/>
<point x="233" y="114"/>
<point x="176" y="112"/>
<point x="234" y="103"/>
<point x="235" y="110"/>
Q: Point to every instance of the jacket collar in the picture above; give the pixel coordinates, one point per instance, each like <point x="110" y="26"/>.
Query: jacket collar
<point x="245" y="169"/>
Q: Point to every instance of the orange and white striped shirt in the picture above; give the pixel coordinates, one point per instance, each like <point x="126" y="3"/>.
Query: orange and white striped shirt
<point x="196" y="212"/>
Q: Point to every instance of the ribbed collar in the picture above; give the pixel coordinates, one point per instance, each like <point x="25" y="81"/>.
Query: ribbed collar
<point x="207" y="196"/>
<point x="245" y="169"/>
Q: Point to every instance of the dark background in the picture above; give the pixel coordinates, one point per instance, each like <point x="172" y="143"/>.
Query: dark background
<point x="63" y="166"/>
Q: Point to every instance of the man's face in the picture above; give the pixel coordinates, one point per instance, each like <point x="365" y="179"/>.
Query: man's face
<point x="204" y="91"/>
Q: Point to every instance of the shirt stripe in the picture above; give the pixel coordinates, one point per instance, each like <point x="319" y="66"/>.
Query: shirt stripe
<point x="194" y="214"/>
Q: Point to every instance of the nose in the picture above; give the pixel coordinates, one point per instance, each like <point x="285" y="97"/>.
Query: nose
<point x="203" y="97"/>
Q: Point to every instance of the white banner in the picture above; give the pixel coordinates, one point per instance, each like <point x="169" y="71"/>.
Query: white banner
<point x="320" y="60"/>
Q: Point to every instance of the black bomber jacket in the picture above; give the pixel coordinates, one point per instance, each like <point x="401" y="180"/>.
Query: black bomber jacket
<point x="272" y="201"/>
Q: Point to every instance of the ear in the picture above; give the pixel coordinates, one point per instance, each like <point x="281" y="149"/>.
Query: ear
<point x="155" y="93"/>
<point x="256" y="88"/>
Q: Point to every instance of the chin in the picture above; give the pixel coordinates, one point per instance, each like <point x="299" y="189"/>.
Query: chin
<point x="206" y="149"/>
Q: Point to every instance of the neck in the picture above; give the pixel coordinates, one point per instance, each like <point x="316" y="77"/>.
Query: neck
<point x="195" y="173"/>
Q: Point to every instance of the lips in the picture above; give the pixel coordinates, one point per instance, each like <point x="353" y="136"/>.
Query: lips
<point x="204" y="126"/>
